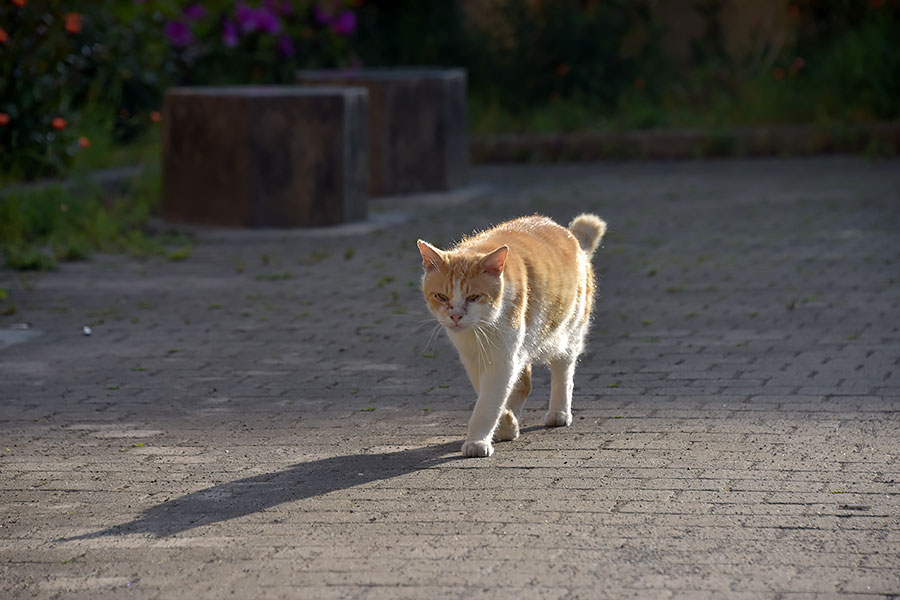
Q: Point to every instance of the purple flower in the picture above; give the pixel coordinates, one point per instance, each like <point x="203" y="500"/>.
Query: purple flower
<point x="344" y="23"/>
<point x="267" y="21"/>
<point x="320" y="15"/>
<point x="194" y="12"/>
<point x="286" y="46"/>
<point x="229" y="34"/>
<point x="256" y="19"/>
<point x="324" y="11"/>
<point x="179" y="33"/>
<point x="245" y="17"/>
<point x="281" y="7"/>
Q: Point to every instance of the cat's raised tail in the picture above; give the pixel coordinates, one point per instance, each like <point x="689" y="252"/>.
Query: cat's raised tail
<point x="588" y="229"/>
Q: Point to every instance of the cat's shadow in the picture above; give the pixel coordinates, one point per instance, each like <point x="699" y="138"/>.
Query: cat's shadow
<point x="252" y="495"/>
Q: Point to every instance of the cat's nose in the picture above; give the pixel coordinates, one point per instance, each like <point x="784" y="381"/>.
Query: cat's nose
<point x="455" y="318"/>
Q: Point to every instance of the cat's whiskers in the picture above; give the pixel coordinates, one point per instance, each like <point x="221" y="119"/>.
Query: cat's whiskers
<point x="480" y="338"/>
<point x="436" y="333"/>
<point x="488" y="342"/>
<point x="478" y="347"/>
<point x="496" y="329"/>
<point x="432" y="337"/>
<point x="418" y="324"/>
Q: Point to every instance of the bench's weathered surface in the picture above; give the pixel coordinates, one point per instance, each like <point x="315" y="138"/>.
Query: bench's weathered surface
<point x="418" y="139"/>
<point x="265" y="156"/>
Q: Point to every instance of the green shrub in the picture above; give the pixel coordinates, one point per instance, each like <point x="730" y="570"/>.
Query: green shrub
<point x="36" y="79"/>
<point x="69" y="69"/>
<point x="56" y="58"/>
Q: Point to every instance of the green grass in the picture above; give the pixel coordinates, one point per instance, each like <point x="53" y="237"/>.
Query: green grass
<point x="43" y="225"/>
<point x="106" y="153"/>
<point x="313" y="258"/>
<point x="273" y="276"/>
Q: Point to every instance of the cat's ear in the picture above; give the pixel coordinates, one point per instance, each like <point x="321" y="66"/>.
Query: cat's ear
<point x="494" y="262"/>
<point x="431" y="256"/>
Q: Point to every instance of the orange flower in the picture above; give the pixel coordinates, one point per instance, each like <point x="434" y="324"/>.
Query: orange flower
<point x="639" y="83"/>
<point x="73" y="22"/>
<point x="83" y="142"/>
<point x="778" y="74"/>
<point x="4" y="119"/>
<point x="58" y="123"/>
<point x="155" y="116"/>
<point x="4" y="37"/>
<point x="19" y="3"/>
<point x="562" y="69"/>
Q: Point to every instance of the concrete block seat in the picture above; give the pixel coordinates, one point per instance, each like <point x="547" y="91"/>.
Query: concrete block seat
<point x="418" y="140"/>
<point x="265" y="156"/>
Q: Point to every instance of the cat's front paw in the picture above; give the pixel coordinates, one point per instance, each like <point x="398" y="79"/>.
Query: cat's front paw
<point x="558" y="419"/>
<point x="477" y="449"/>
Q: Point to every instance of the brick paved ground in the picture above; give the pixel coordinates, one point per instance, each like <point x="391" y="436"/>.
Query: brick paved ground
<point x="272" y="418"/>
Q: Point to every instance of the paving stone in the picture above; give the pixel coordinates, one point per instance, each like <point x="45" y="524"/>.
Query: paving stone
<point x="272" y="419"/>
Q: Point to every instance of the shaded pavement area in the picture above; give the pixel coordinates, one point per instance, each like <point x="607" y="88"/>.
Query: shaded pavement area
<point x="277" y="416"/>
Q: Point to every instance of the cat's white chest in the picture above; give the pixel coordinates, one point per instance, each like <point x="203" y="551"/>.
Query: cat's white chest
<point x="482" y="350"/>
<point x="478" y="347"/>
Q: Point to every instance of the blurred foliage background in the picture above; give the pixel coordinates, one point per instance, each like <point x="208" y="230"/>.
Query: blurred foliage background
<point x="541" y="65"/>
<point x="82" y="82"/>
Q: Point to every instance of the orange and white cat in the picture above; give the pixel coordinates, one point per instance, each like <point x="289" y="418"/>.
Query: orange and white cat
<point x="508" y="297"/>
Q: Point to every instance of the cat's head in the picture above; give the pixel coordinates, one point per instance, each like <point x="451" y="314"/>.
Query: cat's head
<point x="462" y="288"/>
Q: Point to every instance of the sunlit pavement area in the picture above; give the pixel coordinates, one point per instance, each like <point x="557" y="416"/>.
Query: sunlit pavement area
<point x="276" y="416"/>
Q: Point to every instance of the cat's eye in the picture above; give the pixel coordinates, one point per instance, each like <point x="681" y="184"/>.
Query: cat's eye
<point x="473" y="297"/>
<point x="441" y="297"/>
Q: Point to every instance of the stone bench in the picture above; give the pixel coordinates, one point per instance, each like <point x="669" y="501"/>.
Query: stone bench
<point x="418" y="139"/>
<point x="265" y="156"/>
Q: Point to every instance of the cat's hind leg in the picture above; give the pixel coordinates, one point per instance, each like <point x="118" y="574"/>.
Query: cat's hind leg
<point x="562" y="375"/>
<point x="508" y="429"/>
